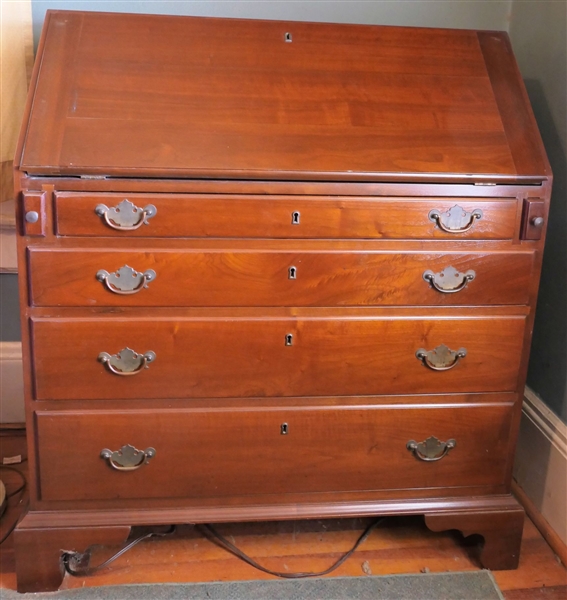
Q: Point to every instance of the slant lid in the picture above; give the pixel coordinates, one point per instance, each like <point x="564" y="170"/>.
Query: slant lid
<point x="156" y="96"/>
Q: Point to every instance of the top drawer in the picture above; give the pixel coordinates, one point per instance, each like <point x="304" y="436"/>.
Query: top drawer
<point x="222" y="215"/>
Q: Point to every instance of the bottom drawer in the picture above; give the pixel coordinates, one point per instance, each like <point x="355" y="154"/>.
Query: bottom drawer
<point x="274" y="450"/>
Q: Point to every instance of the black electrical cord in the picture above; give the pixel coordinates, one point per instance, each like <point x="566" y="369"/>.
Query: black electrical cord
<point x="22" y="477"/>
<point x="72" y="560"/>
<point x="20" y="491"/>
<point x="210" y="532"/>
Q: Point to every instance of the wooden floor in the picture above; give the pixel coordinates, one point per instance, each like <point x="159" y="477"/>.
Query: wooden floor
<point x="399" y="545"/>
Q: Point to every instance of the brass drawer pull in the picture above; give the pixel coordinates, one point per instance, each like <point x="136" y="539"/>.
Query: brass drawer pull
<point x="127" y="458"/>
<point x="449" y="281"/>
<point x="431" y="449"/>
<point x="456" y="219"/>
<point x="126" y="216"/>
<point x="126" y="280"/>
<point x="441" y="358"/>
<point x="126" y="362"/>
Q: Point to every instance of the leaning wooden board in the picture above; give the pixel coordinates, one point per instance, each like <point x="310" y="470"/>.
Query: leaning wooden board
<point x="273" y="270"/>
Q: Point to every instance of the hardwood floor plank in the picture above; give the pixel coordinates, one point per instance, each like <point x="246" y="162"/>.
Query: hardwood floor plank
<point x="538" y="565"/>
<point x="545" y="593"/>
<point x="407" y="548"/>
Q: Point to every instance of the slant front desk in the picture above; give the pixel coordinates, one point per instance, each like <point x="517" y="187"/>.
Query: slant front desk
<point x="273" y="271"/>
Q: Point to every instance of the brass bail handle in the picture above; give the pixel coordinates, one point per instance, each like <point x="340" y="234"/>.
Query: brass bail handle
<point x="441" y="358"/>
<point x="456" y="219"/>
<point x="126" y="362"/>
<point x="125" y="281"/>
<point x="126" y="216"/>
<point x="432" y="449"/>
<point x="128" y="458"/>
<point x="449" y="281"/>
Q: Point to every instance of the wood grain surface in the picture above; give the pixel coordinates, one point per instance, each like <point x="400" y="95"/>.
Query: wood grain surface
<point x="337" y="102"/>
<point x="265" y="277"/>
<point x="235" y="216"/>
<point x="336" y="449"/>
<point x="239" y="356"/>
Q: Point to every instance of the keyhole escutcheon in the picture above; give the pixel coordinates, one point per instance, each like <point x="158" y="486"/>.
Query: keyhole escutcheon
<point x="292" y="273"/>
<point x="289" y="339"/>
<point x="284" y="429"/>
<point x="295" y="216"/>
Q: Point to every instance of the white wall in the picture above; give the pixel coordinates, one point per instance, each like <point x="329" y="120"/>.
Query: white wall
<point x="538" y="30"/>
<point x="538" y="33"/>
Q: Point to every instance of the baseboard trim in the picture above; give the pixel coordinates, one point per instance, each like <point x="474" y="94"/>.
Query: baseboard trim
<point x="11" y="383"/>
<point x="15" y="428"/>
<point x="540" y="471"/>
<point x="10" y="350"/>
<point x="549" y="423"/>
<point x="548" y="533"/>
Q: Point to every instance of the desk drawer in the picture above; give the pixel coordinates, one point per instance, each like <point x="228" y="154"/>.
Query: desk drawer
<point x="157" y="277"/>
<point x="208" y="453"/>
<point x="170" y="215"/>
<point x="245" y="356"/>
